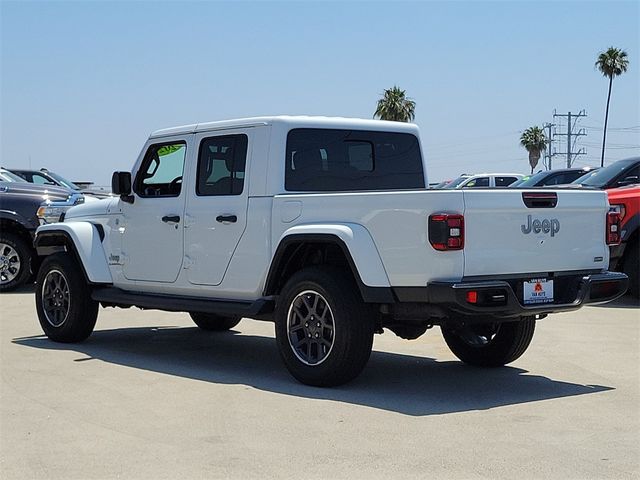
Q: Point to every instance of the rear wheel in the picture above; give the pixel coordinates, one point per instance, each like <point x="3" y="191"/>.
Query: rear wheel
<point x="66" y="311"/>
<point x="15" y="261"/>
<point x="324" y="330"/>
<point x="214" y="323"/>
<point x="490" y="345"/>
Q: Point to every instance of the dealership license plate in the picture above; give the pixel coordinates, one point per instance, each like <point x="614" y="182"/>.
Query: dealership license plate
<point x="538" y="290"/>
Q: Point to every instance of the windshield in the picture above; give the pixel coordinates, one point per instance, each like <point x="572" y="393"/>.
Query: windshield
<point x="603" y="176"/>
<point x="456" y="182"/>
<point x="63" y="181"/>
<point x="533" y="179"/>
<point x="7" y="176"/>
<point x="524" y="181"/>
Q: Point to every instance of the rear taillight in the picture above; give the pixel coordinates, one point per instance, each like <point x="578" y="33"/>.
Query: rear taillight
<point x="618" y="208"/>
<point x="613" y="228"/>
<point x="446" y="232"/>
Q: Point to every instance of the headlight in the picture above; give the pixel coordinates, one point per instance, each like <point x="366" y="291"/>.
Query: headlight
<point x="53" y="211"/>
<point x="50" y="213"/>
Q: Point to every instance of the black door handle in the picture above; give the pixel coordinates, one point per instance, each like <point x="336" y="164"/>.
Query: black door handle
<point x="227" y="218"/>
<point x="171" y="218"/>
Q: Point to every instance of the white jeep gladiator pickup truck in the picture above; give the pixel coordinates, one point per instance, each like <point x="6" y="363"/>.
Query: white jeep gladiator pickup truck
<point x="324" y="226"/>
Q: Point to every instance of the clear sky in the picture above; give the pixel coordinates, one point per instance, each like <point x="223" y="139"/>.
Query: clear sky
<point x="84" y="83"/>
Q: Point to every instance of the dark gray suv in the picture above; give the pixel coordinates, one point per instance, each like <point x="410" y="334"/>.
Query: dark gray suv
<point x="23" y="207"/>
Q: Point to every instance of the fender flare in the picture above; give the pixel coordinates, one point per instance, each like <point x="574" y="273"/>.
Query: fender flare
<point x="86" y="241"/>
<point x="630" y="227"/>
<point x="359" y="249"/>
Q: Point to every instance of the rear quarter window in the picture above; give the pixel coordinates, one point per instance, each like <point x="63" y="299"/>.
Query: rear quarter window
<point x="347" y="160"/>
<point x="505" y="181"/>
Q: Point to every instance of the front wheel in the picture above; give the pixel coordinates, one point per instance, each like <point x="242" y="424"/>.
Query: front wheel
<point x="324" y="330"/>
<point x="492" y="344"/>
<point x="15" y="261"/>
<point x="66" y="311"/>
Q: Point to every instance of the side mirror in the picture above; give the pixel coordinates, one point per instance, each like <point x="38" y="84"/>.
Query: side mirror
<point x="121" y="185"/>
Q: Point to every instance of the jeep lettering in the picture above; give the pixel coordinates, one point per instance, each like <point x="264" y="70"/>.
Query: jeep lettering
<point x="545" y="226"/>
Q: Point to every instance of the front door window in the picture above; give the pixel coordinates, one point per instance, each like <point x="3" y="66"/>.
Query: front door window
<point x="160" y="174"/>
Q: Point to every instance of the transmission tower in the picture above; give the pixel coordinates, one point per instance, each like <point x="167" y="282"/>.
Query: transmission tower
<point x="573" y="133"/>
<point x="548" y="156"/>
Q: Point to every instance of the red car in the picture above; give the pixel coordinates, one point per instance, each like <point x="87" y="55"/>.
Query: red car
<point x="625" y="257"/>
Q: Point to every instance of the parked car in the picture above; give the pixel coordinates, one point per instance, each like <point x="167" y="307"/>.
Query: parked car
<point x="442" y="184"/>
<point x="617" y="174"/>
<point x="492" y="180"/>
<point x="45" y="177"/>
<point x="625" y="256"/>
<point x="7" y="176"/>
<point x="323" y="225"/>
<point x="560" y="176"/>
<point x="451" y="184"/>
<point x="23" y="207"/>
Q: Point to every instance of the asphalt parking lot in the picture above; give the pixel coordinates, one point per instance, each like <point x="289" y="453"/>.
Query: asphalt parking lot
<point x="150" y="396"/>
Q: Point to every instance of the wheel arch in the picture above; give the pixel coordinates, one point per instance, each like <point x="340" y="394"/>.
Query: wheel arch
<point x="631" y="228"/>
<point x="13" y="223"/>
<point x="83" y="240"/>
<point x="345" y="245"/>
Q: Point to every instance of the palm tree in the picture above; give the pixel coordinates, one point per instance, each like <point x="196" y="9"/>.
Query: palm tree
<point x="395" y="106"/>
<point x="611" y="63"/>
<point x="534" y="140"/>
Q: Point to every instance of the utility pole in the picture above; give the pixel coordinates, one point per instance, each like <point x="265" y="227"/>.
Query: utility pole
<point x="548" y="155"/>
<point x="572" y="135"/>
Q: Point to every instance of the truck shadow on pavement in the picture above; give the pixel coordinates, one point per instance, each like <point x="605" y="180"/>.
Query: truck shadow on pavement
<point x="626" y="301"/>
<point x="400" y="383"/>
<point x="28" y="289"/>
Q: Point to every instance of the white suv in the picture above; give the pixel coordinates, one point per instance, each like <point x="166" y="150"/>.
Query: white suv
<point x="490" y="180"/>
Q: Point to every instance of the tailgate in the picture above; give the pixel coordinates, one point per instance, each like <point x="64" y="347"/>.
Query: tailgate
<point x="509" y="232"/>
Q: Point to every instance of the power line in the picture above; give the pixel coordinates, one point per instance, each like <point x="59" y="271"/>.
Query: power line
<point x="615" y="129"/>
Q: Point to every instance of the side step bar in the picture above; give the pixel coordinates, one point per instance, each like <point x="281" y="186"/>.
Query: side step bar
<point x="115" y="297"/>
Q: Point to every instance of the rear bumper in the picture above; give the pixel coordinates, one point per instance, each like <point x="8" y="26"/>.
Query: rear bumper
<point x="503" y="298"/>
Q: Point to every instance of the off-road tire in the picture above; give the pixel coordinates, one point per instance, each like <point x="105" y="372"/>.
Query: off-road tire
<point x="24" y="252"/>
<point x="509" y="343"/>
<point x="79" y="315"/>
<point x="351" y="335"/>
<point x="631" y="267"/>
<point x="214" y="323"/>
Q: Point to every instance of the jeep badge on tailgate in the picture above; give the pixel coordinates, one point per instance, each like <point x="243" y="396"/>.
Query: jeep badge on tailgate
<point x="545" y="226"/>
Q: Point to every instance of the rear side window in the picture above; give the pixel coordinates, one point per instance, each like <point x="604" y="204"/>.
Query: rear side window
<point x="561" y="178"/>
<point x="570" y="177"/>
<point x="505" y="181"/>
<point x="344" y="160"/>
<point x="629" y="176"/>
<point x="557" y="179"/>
<point x="221" y="165"/>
